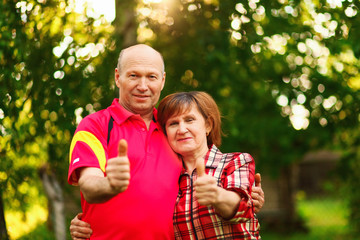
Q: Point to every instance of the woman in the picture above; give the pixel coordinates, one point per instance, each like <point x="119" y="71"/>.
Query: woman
<point x="214" y="200"/>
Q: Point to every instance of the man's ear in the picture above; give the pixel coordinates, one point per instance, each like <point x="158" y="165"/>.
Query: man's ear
<point x="117" y="77"/>
<point x="163" y="80"/>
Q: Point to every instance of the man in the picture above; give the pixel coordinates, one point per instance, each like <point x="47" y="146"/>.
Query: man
<point x="128" y="191"/>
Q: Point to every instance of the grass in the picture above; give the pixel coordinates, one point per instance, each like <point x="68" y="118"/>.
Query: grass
<point x="326" y="219"/>
<point x="330" y="220"/>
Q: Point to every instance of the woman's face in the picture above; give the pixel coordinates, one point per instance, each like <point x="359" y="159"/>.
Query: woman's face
<point x="186" y="133"/>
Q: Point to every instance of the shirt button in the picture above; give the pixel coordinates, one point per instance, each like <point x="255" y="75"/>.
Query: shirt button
<point x="143" y="129"/>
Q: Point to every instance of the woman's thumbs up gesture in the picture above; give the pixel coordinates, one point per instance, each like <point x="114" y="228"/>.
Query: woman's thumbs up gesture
<point x="206" y="189"/>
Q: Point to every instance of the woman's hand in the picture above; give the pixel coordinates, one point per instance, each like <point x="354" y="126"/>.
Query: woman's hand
<point x="208" y="193"/>
<point x="206" y="190"/>
<point x="79" y="230"/>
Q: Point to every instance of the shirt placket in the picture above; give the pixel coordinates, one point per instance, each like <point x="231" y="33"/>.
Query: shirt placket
<point x="191" y="177"/>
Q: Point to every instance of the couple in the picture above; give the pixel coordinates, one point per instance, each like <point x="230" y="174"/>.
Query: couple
<point x="131" y="193"/>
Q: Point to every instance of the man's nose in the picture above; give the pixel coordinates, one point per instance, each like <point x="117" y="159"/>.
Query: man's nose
<point x="142" y="85"/>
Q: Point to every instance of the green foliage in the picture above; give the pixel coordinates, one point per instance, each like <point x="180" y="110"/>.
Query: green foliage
<point x="326" y="218"/>
<point x="47" y="60"/>
<point x="261" y="61"/>
<point x="41" y="232"/>
<point x="251" y="54"/>
<point x="351" y="167"/>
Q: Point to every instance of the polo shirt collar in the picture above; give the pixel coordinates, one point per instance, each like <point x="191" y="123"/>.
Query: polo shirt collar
<point x="120" y="114"/>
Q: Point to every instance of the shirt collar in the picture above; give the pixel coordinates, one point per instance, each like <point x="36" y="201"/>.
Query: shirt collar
<point x="120" y="114"/>
<point x="212" y="159"/>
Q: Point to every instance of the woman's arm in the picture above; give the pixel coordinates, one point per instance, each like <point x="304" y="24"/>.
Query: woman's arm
<point x="233" y="200"/>
<point x="208" y="193"/>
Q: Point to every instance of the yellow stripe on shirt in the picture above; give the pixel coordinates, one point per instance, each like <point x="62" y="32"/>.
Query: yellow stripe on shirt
<point x="95" y="145"/>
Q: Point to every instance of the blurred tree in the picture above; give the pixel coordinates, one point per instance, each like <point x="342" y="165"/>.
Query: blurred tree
<point x="52" y="59"/>
<point x="284" y="73"/>
<point x="47" y="63"/>
<point x="11" y="52"/>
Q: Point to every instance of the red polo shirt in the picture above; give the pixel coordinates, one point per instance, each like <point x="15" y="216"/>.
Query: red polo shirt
<point x="145" y="209"/>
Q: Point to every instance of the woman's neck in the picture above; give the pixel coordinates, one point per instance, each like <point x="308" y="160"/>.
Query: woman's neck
<point x="191" y="160"/>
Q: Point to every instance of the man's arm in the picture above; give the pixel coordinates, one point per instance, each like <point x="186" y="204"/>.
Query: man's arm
<point x="97" y="188"/>
<point x="257" y="194"/>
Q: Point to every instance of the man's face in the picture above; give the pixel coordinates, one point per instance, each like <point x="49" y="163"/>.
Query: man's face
<point x="140" y="79"/>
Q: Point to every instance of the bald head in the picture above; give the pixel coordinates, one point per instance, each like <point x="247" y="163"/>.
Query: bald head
<point x="140" y="78"/>
<point x="139" y="50"/>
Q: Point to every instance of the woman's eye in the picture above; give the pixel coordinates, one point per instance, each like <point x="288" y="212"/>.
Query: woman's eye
<point x="189" y="119"/>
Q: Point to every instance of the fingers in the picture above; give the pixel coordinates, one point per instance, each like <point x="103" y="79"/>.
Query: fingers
<point x="258" y="180"/>
<point x="118" y="169"/>
<point x="79" y="229"/>
<point x="122" y="148"/>
<point x="200" y="168"/>
<point x="258" y="197"/>
<point x="80" y="234"/>
<point x="79" y="216"/>
<point x="206" y="190"/>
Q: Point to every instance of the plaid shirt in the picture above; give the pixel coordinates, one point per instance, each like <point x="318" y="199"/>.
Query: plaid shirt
<point x="234" y="172"/>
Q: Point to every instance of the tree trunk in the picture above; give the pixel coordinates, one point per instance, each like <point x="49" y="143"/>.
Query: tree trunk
<point x="287" y="193"/>
<point x="125" y="23"/>
<point x="3" y="231"/>
<point x="56" y="200"/>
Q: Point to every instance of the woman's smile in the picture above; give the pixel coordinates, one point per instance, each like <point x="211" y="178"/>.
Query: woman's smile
<point x="186" y="132"/>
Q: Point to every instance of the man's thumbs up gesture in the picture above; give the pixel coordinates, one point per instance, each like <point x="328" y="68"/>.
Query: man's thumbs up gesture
<point x="118" y="169"/>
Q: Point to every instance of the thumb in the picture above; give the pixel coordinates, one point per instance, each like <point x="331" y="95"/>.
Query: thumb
<point x="257" y="180"/>
<point x="79" y="216"/>
<point x="200" y="168"/>
<point x="123" y="148"/>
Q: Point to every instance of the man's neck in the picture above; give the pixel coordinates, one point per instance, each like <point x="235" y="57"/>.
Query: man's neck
<point x="147" y="119"/>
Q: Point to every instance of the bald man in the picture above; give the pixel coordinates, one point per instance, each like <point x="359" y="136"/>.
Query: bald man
<point x="128" y="188"/>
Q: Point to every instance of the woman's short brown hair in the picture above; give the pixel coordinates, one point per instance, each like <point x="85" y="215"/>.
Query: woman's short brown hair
<point x="181" y="102"/>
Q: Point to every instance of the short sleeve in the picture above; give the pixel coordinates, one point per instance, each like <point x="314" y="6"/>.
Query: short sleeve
<point x="239" y="178"/>
<point x="87" y="149"/>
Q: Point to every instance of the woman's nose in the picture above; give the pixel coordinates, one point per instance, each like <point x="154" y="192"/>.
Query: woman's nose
<point x="182" y="128"/>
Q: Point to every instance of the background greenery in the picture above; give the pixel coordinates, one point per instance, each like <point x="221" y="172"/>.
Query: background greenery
<point x="285" y="75"/>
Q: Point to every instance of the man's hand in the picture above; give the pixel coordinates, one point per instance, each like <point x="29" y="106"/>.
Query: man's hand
<point x="118" y="169"/>
<point x="257" y="194"/>
<point x="98" y="189"/>
<point x="79" y="230"/>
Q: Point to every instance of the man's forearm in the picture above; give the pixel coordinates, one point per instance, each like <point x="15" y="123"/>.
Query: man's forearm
<point x="96" y="189"/>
